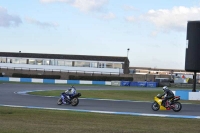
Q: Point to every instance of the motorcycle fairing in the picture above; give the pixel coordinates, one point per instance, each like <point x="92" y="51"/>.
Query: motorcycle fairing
<point x="159" y="101"/>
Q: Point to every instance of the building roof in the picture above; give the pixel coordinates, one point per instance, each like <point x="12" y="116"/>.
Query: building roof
<point x="64" y="56"/>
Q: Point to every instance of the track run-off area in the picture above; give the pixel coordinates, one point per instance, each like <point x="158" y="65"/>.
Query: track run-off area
<point x="15" y="95"/>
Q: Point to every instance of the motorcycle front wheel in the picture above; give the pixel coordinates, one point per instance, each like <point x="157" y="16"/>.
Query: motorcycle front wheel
<point x="155" y="106"/>
<point x="75" y="101"/>
<point x="59" y="102"/>
<point x="177" y="106"/>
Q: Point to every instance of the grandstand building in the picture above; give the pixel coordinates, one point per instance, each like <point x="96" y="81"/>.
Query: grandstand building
<point x="62" y="62"/>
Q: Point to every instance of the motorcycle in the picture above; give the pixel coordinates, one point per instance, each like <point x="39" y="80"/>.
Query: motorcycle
<point x="170" y="104"/>
<point x="74" y="101"/>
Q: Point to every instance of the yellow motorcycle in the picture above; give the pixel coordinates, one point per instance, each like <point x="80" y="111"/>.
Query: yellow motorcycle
<point x="170" y="104"/>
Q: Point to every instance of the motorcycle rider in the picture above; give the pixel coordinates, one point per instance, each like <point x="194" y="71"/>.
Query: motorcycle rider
<point x="68" y="93"/>
<point x="168" y="95"/>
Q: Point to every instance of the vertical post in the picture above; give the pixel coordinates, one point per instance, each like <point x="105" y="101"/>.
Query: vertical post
<point x="127" y="52"/>
<point x="194" y="82"/>
<point x="171" y="74"/>
<point x="146" y="77"/>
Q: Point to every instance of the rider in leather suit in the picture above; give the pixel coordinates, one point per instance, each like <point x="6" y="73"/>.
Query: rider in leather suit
<point x="68" y="93"/>
<point x="168" y="95"/>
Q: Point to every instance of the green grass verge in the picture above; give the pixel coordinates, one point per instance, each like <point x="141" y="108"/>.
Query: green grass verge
<point x="21" y="120"/>
<point x="135" y="95"/>
<point x="107" y="94"/>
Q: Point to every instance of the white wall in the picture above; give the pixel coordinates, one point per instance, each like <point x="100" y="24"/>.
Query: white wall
<point x="62" y="68"/>
<point x="194" y="95"/>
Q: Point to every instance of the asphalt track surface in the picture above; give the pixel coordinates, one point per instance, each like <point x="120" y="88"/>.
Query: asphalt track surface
<point x="8" y="96"/>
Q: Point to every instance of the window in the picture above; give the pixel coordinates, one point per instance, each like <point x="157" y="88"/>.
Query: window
<point x="61" y="63"/>
<point x="68" y="63"/>
<point x="23" y="61"/>
<point x="93" y="64"/>
<point x="39" y="62"/>
<point x="15" y="61"/>
<point x="117" y="65"/>
<point x="3" y="60"/>
<point x="101" y="65"/>
<point x="9" y="60"/>
<point x="52" y="62"/>
<point x="81" y="64"/>
<point x="64" y="63"/>
<point x="46" y="62"/>
<point x="109" y="65"/>
<point x="32" y="61"/>
<point x="132" y="71"/>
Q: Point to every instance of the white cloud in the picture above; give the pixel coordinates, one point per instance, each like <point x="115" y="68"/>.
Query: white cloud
<point x="130" y="19"/>
<point x="83" y="5"/>
<point x="89" y="5"/>
<point x="154" y="33"/>
<point x="7" y="20"/>
<point x="128" y="8"/>
<point x="167" y="20"/>
<point x="51" y="1"/>
<point x="172" y="20"/>
<point x="109" y="15"/>
<point x="41" y="24"/>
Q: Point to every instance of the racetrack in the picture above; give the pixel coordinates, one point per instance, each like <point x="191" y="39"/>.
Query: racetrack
<point x="9" y="97"/>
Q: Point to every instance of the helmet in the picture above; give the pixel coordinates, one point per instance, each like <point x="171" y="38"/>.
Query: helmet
<point x="165" y="88"/>
<point x="72" y="87"/>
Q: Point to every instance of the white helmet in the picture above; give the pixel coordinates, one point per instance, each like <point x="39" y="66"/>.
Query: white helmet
<point x="165" y="88"/>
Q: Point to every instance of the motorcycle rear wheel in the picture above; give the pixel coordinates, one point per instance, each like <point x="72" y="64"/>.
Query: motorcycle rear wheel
<point x="75" y="101"/>
<point x="177" y="106"/>
<point x="155" y="106"/>
<point x="59" y="102"/>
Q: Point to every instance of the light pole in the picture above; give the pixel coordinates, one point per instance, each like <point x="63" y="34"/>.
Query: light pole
<point x="127" y="52"/>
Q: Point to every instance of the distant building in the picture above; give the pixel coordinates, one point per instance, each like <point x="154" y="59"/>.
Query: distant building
<point x="157" y="71"/>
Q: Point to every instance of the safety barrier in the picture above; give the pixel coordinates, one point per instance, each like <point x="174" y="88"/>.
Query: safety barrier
<point x="125" y="83"/>
<point x="152" y="84"/>
<point x="139" y="84"/>
<point x="53" y="81"/>
<point x="116" y="83"/>
<point x="57" y="81"/>
<point x="187" y="94"/>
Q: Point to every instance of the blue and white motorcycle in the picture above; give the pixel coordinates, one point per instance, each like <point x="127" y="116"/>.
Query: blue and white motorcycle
<point x="72" y="100"/>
